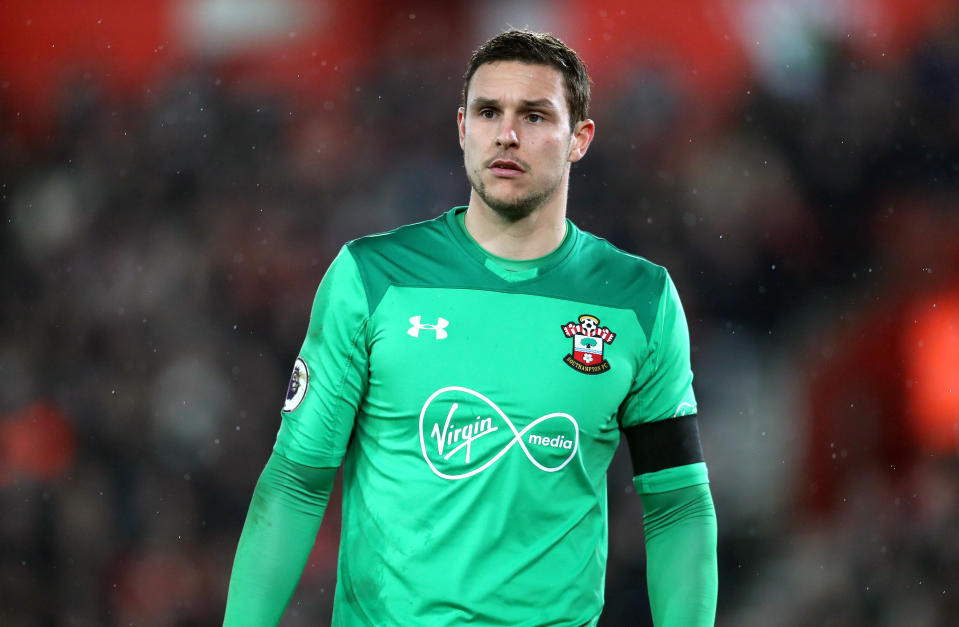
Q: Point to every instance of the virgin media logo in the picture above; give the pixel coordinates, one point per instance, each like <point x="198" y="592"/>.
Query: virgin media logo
<point x="462" y="433"/>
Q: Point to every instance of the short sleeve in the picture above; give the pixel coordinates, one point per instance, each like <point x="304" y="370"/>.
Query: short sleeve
<point x="663" y="387"/>
<point x="330" y="374"/>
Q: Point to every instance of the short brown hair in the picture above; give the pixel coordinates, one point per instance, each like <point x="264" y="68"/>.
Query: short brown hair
<point x="539" y="49"/>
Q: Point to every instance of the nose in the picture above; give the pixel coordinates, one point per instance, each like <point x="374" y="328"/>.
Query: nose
<point x="507" y="137"/>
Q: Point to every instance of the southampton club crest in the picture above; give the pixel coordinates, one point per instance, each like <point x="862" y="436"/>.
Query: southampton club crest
<point x="589" y="340"/>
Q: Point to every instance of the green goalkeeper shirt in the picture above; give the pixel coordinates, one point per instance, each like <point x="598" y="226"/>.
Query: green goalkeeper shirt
<point x="476" y="410"/>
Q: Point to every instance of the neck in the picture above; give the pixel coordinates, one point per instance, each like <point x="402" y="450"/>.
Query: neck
<point x="536" y="235"/>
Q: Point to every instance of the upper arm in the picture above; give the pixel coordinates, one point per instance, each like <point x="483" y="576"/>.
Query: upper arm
<point x="332" y="368"/>
<point x="663" y="387"/>
<point x="658" y="416"/>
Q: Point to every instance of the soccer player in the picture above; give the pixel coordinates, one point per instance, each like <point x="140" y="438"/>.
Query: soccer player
<point x="474" y="374"/>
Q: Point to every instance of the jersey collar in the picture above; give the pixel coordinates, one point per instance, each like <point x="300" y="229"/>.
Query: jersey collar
<point x="510" y="270"/>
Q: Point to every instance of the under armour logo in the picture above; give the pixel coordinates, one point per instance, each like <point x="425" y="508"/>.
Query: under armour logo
<point x="441" y="324"/>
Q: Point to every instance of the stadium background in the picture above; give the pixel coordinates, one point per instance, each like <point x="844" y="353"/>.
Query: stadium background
<point x="176" y="175"/>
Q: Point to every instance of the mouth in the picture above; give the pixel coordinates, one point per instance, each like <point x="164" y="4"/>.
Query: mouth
<point x="506" y="168"/>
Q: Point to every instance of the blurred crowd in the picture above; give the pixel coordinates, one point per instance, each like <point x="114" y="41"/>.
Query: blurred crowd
<point x="160" y="257"/>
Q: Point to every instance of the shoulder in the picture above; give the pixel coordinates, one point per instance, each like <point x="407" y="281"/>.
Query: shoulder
<point x="409" y="236"/>
<point x="620" y="268"/>
<point x="626" y="280"/>
<point x="411" y="255"/>
<point x="403" y="250"/>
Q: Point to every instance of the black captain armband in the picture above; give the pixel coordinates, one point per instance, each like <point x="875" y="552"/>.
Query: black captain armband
<point x="664" y="444"/>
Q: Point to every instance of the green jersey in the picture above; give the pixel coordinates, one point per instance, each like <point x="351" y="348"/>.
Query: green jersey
<point x="476" y="410"/>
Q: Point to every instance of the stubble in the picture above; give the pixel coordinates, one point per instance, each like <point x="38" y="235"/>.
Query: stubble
<point x="512" y="210"/>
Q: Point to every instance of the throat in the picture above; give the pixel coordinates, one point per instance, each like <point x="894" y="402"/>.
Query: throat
<point x="531" y="238"/>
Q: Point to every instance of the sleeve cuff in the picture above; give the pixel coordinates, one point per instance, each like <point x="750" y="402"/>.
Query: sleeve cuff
<point x="671" y="478"/>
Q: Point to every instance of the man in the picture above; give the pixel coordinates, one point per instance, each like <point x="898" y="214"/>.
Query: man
<point x="474" y="373"/>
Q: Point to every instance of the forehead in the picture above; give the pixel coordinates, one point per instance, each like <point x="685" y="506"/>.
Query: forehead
<point x="513" y="81"/>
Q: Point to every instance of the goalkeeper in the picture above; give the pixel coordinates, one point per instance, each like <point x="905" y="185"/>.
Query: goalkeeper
<point x="474" y="375"/>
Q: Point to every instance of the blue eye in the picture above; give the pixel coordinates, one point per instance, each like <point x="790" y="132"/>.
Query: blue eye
<point x="489" y="114"/>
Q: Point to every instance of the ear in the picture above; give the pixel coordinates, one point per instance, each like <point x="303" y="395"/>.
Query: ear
<point x="581" y="138"/>
<point x="461" y="125"/>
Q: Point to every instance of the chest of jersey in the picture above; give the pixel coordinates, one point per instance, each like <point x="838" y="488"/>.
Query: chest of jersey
<point x="480" y="373"/>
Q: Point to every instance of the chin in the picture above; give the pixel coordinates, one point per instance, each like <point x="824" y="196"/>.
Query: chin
<point x="512" y="207"/>
<point x="515" y="208"/>
<point x="512" y="212"/>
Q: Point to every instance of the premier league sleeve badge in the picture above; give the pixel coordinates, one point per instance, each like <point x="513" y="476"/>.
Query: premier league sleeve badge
<point x="299" y="382"/>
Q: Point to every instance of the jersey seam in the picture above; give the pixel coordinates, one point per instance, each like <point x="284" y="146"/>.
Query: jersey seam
<point x="661" y="316"/>
<point x="363" y="281"/>
<point x="505" y="290"/>
<point x="651" y="355"/>
<point x="640" y="364"/>
<point x="363" y="328"/>
<point x="344" y="376"/>
<point x="655" y="340"/>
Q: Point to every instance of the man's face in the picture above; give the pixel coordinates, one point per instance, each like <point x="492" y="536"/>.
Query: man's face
<point x="516" y="139"/>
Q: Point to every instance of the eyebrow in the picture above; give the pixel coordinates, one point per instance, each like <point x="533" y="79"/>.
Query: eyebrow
<point x="541" y="103"/>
